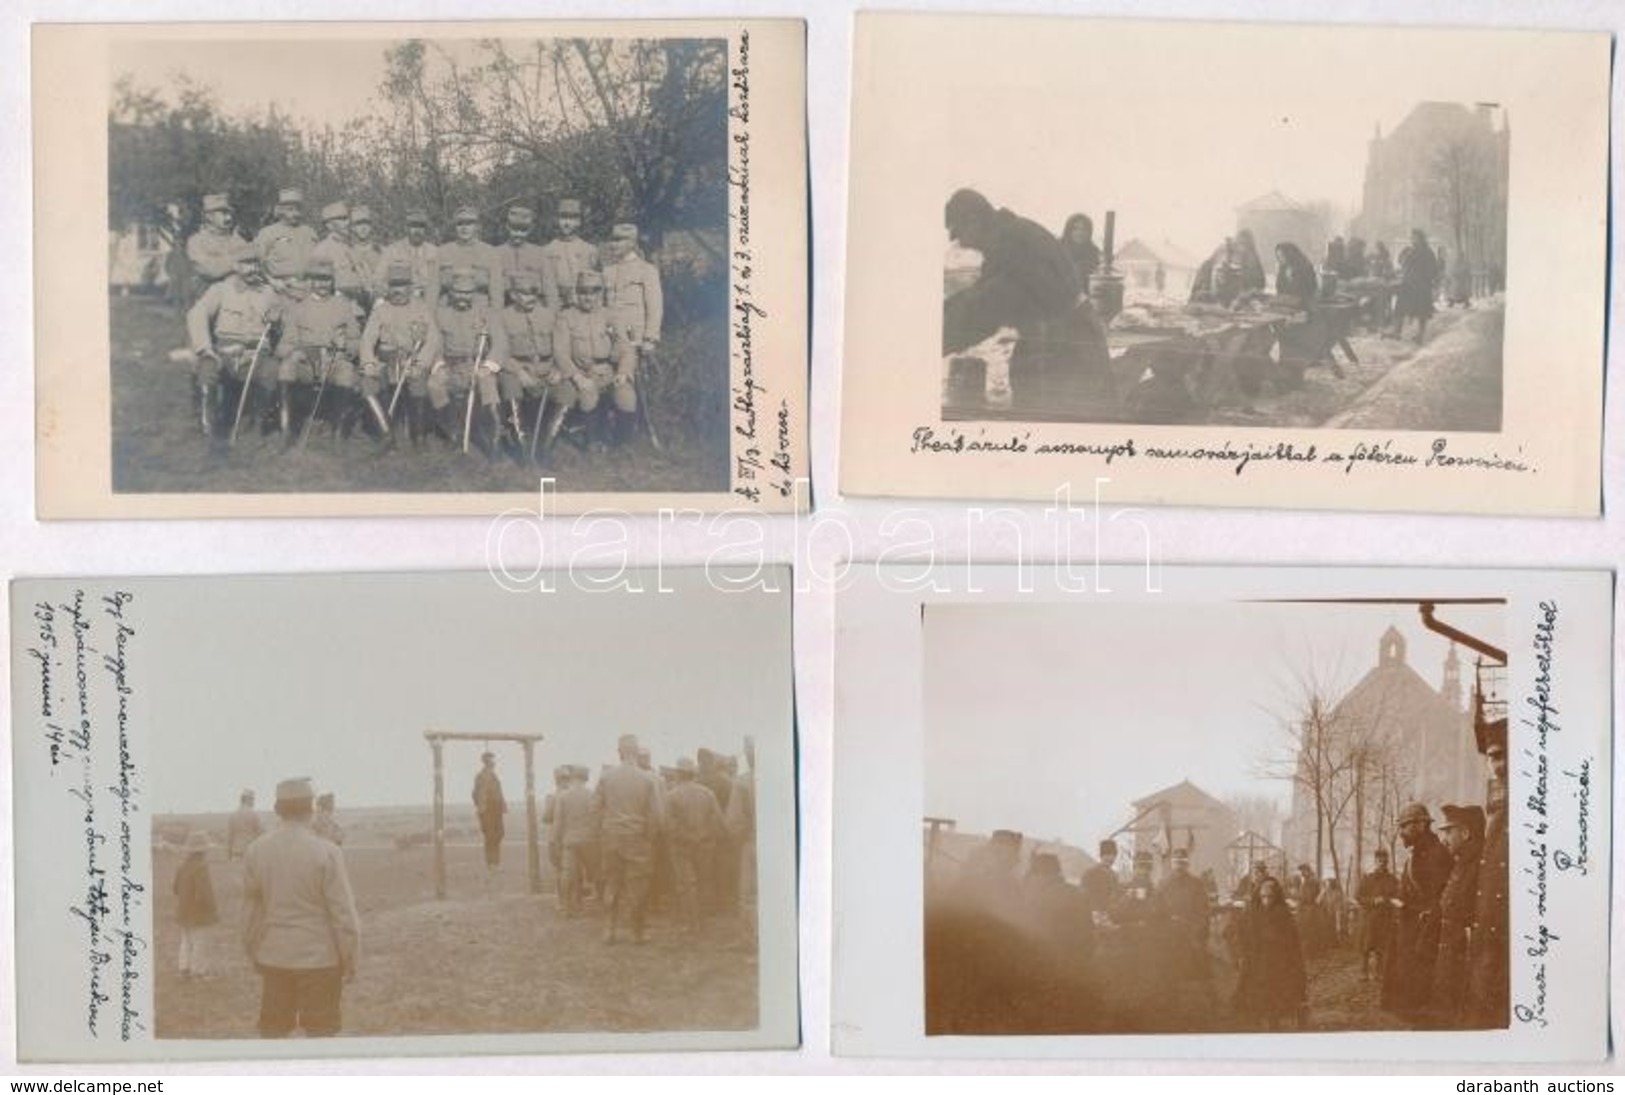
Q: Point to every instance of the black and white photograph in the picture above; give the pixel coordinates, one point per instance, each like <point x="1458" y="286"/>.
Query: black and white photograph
<point x="556" y="821"/>
<point x="1312" y="837"/>
<point x="1338" y="262"/>
<point x="421" y="262"/>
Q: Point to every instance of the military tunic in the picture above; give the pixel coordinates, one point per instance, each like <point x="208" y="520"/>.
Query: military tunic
<point x="529" y="366"/>
<point x="1455" y="929"/>
<point x="228" y="319"/>
<point x="315" y="327"/>
<point x="285" y="248"/>
<point x="482" y="259"/>
<point x="1488" y="965"/>
<point x="630" y="817"/>
<point x="575" y="833"/>
<point x="1408" y="976"/>
<point x="590" y="353"/>
<point x="696" y="828"/>
<point x="526" y="256"/>
<point x="460" y="331"/>
<point x="632" y="293"/>
<point x="349" y="278"/>
<point x="387" y="343"/>
<point x="368" y="258"/>
<point x="213" y="255"/>
<point x="566" y="259"/>
<point x="425" y="264"/>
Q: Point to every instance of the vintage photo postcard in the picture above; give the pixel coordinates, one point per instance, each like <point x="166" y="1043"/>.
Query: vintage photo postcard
<point x="284" y="817"/>
<point x="389" y="268"/>
<point x="1204" y="266"/>
<point x="1329" y="814"/>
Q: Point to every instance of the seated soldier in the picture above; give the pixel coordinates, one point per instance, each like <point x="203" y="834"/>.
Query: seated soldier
<point x="321" y="337"/>
<point x="230" y="322"/>
<point x="597" y="360"/>
<point x="530" y="379"/>
<point x="473" y="347"/>
<point x="399" y="346"/>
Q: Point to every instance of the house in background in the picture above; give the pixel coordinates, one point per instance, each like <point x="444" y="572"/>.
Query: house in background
<point x="1183" y="816"/>
<point x="1139" y="262"/>
<point x="1275" y="218"/>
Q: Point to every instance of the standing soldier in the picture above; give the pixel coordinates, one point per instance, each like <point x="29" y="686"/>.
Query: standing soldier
<point x="473" y="346"/>
<point x="1408" y="972"/>
<point x="632" y="290"/>
<point x="1099" y="883"/>
<point x="325" y="824"/>
<point x="520" y="254"/>
<point x="568" y="256"/>
<point x="321" y="339"/>
<point x="366" y="254"/>
<point x="399" y="344"/>
<point x="1463" y="829"/>
<point x="212" y="250"/>
<point x="550" y="816"/>
<point x="243" y="827"/>
<point x="419" y="255"/>
<point x="575" y="833"/>
<point x="1376" y="895"/>
<point x="228" y="325"/>
<point x="695" y="829"/>
<point x="285" y="244"/>
<point x="629" y="806"/>
<point x="1182" y="898"/>
<point x="301" y="930"/>
<point x="467" y="252"/>
<point x="529" y="370"/>
<point x="596" y="359"/>
<point x="1489" y="989"/>
<point x="489" y="806"/>
<point x="337" y="249"/>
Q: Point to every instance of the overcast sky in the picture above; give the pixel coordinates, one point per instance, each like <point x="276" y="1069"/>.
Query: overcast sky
<point x="338" y="677"/>
<point x="1050" y="719"/>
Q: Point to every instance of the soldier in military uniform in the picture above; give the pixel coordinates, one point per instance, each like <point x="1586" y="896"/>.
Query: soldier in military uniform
<point x="212" y="250"/>
<point x="285" y="244"/>
<point x="398" y="347"/>
<point x="470" y="332"/>
<point x="321" y="340"/>
<point x="1408" y="975"/>
<point x="1182" y="898"/>
<point x="467" y="252"/>
<point x="632" y="290"/>
<point x="568" y="256"/>
<point x="230" y="321"/>
<point x="519" y="253"/>
<point x="1489" y="990"/>
<point x="419" y="255"/>
<point x="1377" y="892"/>
<point x="529" y="372"/>
<point x="337" y="249"/>
<point x="326" y="823"/>
<point x="630" y="810"/>
<point x="1463" y="829"/>
<point x="1099" y="883"/>
<point x="598" y="361"/>
<point x="366" y="255"/>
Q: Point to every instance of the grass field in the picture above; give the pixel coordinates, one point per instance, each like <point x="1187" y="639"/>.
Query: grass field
<point x="482" y="961"/>
<point x="157" y="445"/>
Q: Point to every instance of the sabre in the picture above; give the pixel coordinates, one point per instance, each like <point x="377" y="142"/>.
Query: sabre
<point x="473" y="386"/>
<point x="327" y="370"/>
<point x="645" y="358"/>
<point x="401" y="383"/>
<point x="248" y="379"/>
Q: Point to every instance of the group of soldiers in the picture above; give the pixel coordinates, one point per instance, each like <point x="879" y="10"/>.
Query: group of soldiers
<point x="681" y="838"/>
<point x="1028" y="952"/>
<point x="479" y="344"/>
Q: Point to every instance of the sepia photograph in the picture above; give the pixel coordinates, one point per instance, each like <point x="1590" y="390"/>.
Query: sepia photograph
<point x="1314" y="839"/>
<point x="1223" y="813"/>
<point x="1253" y="264"/>
<point x="556" y="822"/>
<point x="401" y="268"/>
<point x="1341" y="266"/>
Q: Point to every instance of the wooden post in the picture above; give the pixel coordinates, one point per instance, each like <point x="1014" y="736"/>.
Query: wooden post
<point x="435" y="745"/>
<point x="532" y="845"/>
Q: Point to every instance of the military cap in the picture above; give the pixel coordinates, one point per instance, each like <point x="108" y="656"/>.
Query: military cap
<point x="215" y="203"/>
<point x="360" y="214"/>
<point x="319" y="267"/>
<point x="418" y="217"/>
<point x="686" y="764"/>
<point x="1005" y="836"/>
<point x="1182" y="853"/>
<point x="399" y="273"/>
<point x="589" y="279"/>
<point x="1108" y="847"/>
<point x="1491" y="735"/>
<point x="488" y="755"/>
<point x="1415" y="812"/>
<point x="246" y="796"/>
<point x="462" y="280"/>
<point x="197" y="841"/>
<point x="335" y="211"/>
<point x="290" y="195"/>
<point x="1142" y="858"/>
<point x="521" y="214"/>
<point x="524" y="279"/>
<point x="1470" y="816"/>
<point x="295" y="790"/>
<point x="627" y="741"/>
<point x="325" y="798"/>
<point x="467" y="214"/>
<point x="569" y="207"/>
<point x="624" y="231"/>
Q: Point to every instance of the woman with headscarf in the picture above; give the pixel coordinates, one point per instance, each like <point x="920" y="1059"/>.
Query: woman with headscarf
<point x="1418" y="272"/>
<point x="1078" y="239"/>
<point x="1295" y="276"/>
<point x="1272" y="989"/>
